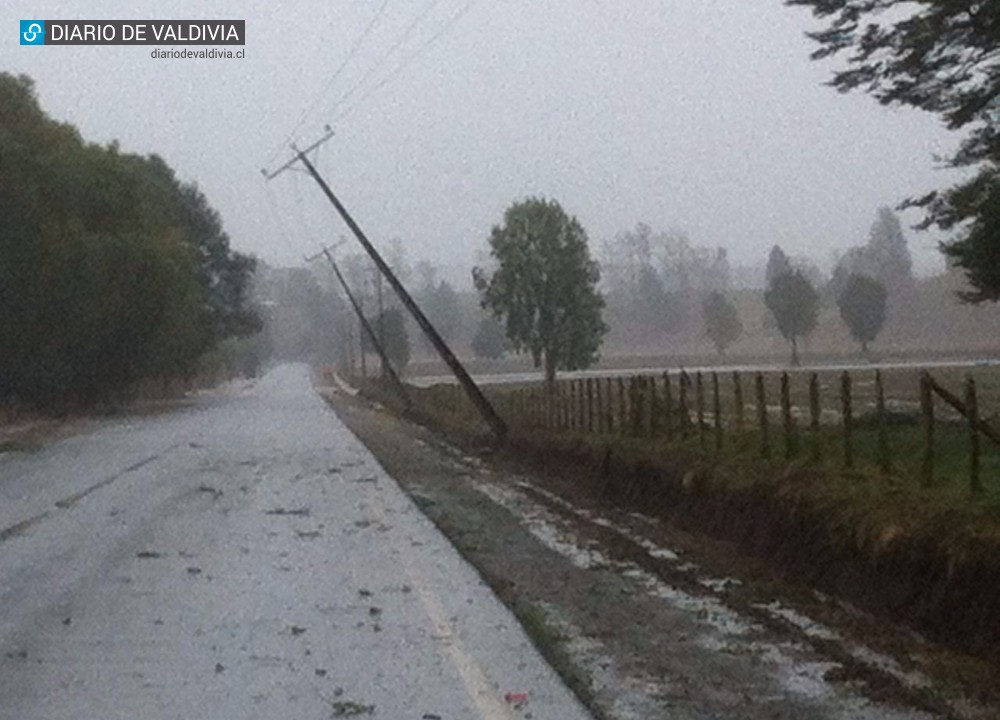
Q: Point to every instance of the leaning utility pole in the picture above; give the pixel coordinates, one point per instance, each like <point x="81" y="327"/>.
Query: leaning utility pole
<point x="377" y="279"/>
<point x="386" y="365"/>
<point x="487" y="411"/>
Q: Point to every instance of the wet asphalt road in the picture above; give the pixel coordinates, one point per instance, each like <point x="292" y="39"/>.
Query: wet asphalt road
<point x="243" y="557"/>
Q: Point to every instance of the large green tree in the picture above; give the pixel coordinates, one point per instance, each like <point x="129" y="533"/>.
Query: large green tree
<point x="722" y="321"/>
<point x="942" y="56"/>
<point x="544" y="286"/>
<point x="794" y="303"/>
<point x="862" y="305"/>
<point x="777" y="264"/>
<point x="111" y="270"/>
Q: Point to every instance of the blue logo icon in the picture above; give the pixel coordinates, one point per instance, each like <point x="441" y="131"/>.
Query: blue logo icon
<point x="32" y="32"/>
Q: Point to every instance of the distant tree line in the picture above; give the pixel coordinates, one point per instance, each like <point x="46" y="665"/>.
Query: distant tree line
<point x="111" y="269"/>
<point x="943" y="57"/>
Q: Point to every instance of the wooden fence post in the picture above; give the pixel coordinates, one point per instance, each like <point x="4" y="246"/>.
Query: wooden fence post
<point x="568" y="404"/>
<point x="684" y="416"/>
<point x="788" y="423"/>
<point x="578" y="405"/>
<point x="717" y="412"/>
<point x="765" y="445"/>
<point x="668" y="409"/>
<point x="648" y="400"/>
<point x="553" y="393"/>
<point x="608" y="409"/>
<point x="568" y="389"/>
<point x="560" y="405"/>
<point x="814" y="417"/>
<point x="699" y="399"/>
<point x="598" y="405"/>
<point x="590" y="406"/>
<point x="927" y="415"/>
<point x="848" y="418"/>
<point x="635" y="405"/>
<point x="738" y="409"/>
<point x="654" y="407"/>
<point x="622" y="408"/>
<point x="884" y="460"/>
<point x="972" y="407"/>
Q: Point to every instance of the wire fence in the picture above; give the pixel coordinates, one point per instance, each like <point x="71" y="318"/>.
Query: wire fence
<point x="907" y="426"/>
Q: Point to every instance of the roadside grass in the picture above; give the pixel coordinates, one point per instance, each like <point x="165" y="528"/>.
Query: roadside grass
<point x="925" y="554"/>
<point x="905" y="435"/>
<point x="871" y="507"/>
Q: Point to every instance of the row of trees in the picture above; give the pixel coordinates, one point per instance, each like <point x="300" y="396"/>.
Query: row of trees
<point x="943" y="57"/>
<point x="543" y="298"/>
<point x="936" y="55"/>
<point x="866" y="278"/>
<point x="456" y="315"/>
<point x="544" y="287"/>
<point x="539" y="254"/>
<point x="655" y="283"/>
<point x="111" y="270"/>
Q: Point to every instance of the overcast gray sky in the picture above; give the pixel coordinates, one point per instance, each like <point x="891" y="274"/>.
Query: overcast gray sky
<point x="705" y="115"/>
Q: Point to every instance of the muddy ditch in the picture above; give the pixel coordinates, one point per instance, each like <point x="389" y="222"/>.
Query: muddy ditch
<point x="940" y="577"/>
<point x="940" y="581"/>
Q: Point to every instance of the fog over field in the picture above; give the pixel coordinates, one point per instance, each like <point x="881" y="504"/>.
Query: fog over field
<point x="701" y="116"/>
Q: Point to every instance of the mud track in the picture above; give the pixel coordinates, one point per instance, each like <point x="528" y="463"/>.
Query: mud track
<point x="644" y="619"/>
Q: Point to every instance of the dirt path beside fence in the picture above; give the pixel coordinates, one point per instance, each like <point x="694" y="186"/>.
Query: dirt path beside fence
<point x="645" y="620"/>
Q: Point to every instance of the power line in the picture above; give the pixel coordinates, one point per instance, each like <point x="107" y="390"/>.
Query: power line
<point x="410" y="58"/>
<point x="399" y="42"/>
<point x="489" y="413"/>
<point x="278" y="218"/>
<point x="326" y="88"/>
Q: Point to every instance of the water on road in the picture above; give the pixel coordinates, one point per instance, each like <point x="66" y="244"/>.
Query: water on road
<point x="243" y="557"/>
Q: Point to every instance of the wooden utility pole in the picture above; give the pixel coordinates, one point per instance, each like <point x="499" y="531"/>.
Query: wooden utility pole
<point x="489" y="414"/>
<point x="377" y="279"/>
<point x="386" y="365"/>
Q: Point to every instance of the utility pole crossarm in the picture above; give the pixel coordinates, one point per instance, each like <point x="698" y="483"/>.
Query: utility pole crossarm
<point x="486" y="410"/>
<point x="298" y="154"/>
<point x="489" y="414"/>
